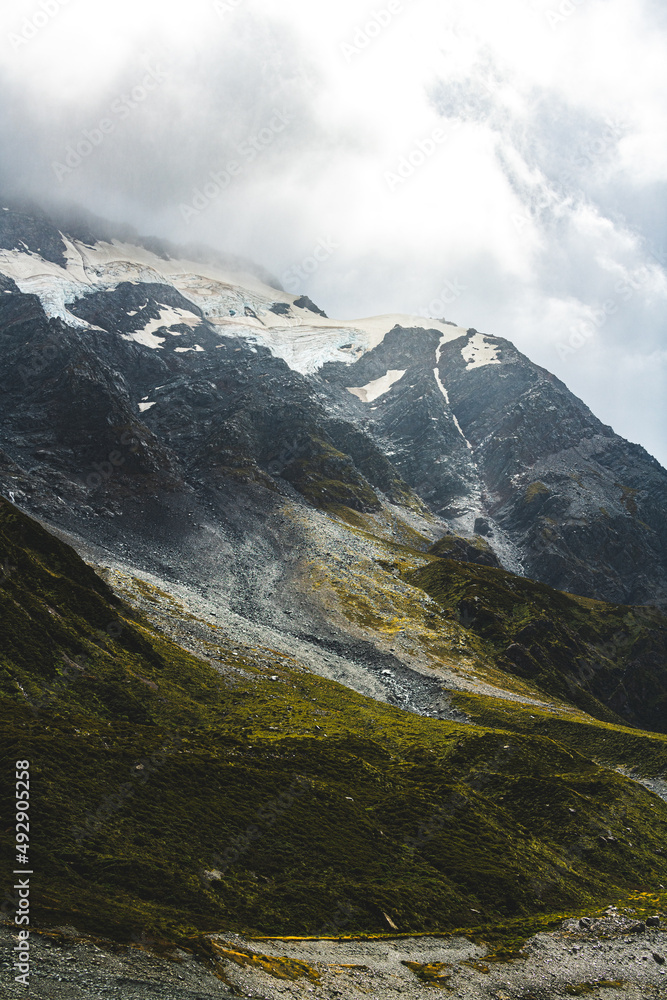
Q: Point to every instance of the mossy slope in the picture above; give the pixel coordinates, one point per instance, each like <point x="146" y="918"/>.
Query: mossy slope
<point x="609" y="660"/>
<point x="169" y="797"/>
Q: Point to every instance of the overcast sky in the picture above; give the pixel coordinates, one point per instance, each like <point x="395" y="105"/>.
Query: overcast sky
<point x="503" y="165"/>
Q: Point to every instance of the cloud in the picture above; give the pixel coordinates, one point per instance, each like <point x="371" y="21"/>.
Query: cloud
<point x="543" y="205"/>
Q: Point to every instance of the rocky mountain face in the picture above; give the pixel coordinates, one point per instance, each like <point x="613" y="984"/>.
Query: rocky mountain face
<point x="287" y="585"/>
<point x="133" y="370"/>
<point x="499" y="446"/>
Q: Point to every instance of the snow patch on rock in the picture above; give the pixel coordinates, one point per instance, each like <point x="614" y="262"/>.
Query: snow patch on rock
<point x="454" y="417"/>
<point x="168" y="317"/>
<point x="478" y="352"/>
<point x="378" y="387"/>
<point x="145" y="338"/>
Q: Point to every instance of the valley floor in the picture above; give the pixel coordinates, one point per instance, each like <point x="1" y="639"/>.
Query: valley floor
<point x="607" y="960"/>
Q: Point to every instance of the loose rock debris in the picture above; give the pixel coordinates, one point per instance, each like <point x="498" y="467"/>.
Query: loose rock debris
<point x="610" y="957"/>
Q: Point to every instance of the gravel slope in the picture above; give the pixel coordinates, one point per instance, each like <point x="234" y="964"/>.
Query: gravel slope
<point x="606" y="959"/>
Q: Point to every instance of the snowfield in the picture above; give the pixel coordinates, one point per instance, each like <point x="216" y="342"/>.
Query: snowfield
<point x="236" y="303"/>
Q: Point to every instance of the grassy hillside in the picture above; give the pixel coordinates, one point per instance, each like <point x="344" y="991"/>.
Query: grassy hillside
<point x="609" y="660"/>
<point x="170" y="796"/>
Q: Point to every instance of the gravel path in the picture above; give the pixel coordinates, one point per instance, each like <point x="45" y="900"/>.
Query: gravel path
<point x="612" y="958"/>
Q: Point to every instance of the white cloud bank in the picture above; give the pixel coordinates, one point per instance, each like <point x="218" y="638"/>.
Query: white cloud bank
<point x="504" y="163"/>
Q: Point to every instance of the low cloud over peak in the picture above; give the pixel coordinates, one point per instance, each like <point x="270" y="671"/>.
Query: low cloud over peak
<point x="505" y="161"/>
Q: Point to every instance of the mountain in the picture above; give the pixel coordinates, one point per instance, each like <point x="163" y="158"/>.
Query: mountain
<point x="497" y="445"/>
<point x="187" y="419"/>
<point x="133" y="369"/>
<point x="314" y="627"/>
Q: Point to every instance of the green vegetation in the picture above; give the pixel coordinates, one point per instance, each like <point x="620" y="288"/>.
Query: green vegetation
<point x="280" y="968"/>
<point x="433" y="974"/>
<point x="584" y="989"/>
<point x="614" y="746"/>
<point x="171" y="798"/>
<point x="535" y="490"/>
<point x="328" y="477"/>
<point x="474" y="550"/>
<point x="628" y="498"/>
<point x="377" y="469"/>
<point x="608" y="660"/>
